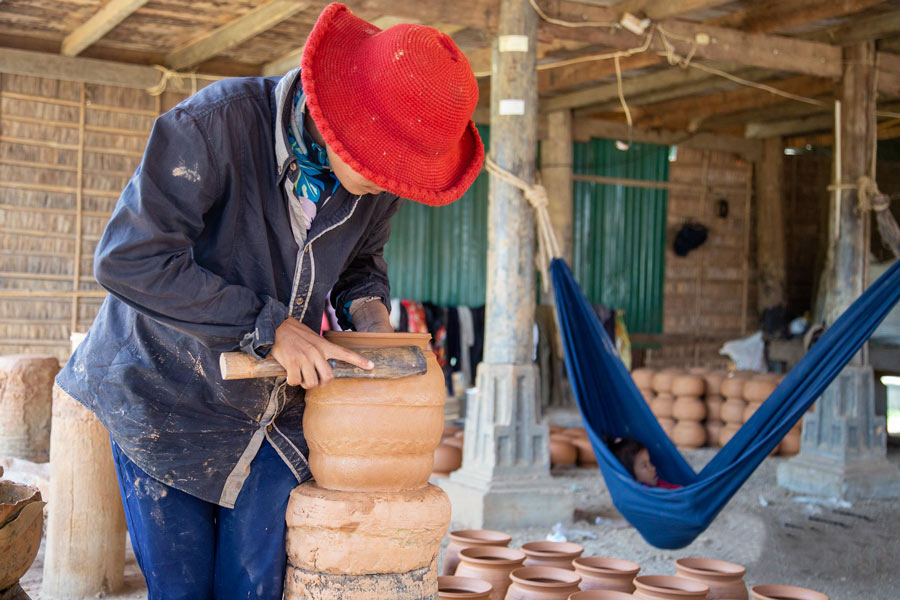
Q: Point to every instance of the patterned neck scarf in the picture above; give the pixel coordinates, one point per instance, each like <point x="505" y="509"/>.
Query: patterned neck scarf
<point x="316" y="179"/>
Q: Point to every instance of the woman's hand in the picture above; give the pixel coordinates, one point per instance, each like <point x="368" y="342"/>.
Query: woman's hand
<point x="304" y="354"/>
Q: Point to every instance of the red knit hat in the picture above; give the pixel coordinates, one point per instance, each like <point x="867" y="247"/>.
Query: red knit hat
<point x="396" y="105"/>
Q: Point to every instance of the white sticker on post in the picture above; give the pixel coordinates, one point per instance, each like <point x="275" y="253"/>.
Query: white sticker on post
<point x="512" y="106"/>
<point x="513" y="43"/>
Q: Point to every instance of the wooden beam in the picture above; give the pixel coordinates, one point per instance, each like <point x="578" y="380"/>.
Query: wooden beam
<point x="231" y="34"/>
<point x="778" y="15"/>
<point x="585" y="129"/>
<point x="873" y="27"/>
<point x="103" y="21"/>
<point x="92" y="70"/>
<point x="283" y="64"/>
<point x="785" y="110"/>
<point x="888" y="78"/>
<point x="770" y="238"/>
<point x="663" y="9"/>
<point x="789" y="127"/>
<point x="551" y="80"/>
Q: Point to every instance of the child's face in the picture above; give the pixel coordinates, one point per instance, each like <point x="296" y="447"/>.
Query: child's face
<point x="644" y="471"/>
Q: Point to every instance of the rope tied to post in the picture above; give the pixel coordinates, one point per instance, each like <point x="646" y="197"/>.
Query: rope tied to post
<point x="536" y="194"/>
<point x="870" y="198"/>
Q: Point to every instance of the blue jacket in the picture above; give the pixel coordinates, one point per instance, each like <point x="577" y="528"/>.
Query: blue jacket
<point x="199" y="258"/>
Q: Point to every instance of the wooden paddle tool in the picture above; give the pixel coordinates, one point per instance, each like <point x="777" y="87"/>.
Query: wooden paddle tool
<point x="390" y="363"/>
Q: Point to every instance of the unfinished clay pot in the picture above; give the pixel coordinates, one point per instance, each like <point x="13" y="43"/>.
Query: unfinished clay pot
<point x="733" y="387"/>
<point x="666" y="587"/>
<point x="688" y="385"/>
<point x="784" y="592"/>
<point x="732" y="410"/>
<point x="551" y="554"/>
<point x="689" y="434"/>
<point x="714" y="383"/>
<point x="662" y="406"/>
<point x="790" y="444"/>
<point x="470" y="538"/>
<point x="586" y="457"/>
<point x="375" y="434"/>
<point x="643" y="378"/>
<point x="447" y="458"/>
<point x="462" y="587"/>
<point x="688" y="408"/>
<point x="751" y="408"/>
<point x="713" y="430"/>
<point x="601" y="595"/>
<point x="21" y="521"/>
<point x="542" y="583"/>
<point x="714" y="407"/>
<point x="667" y="425"/>
<point x="662" y="382"/>
<point x="724" y="579"/>
<point x="727" y="432"/>
<point x="575" y="432"/>
<point x="600" y="573"/>
<point x="758" y="389"/>
<point x="648" y="396"/>
<point x="492" y="564"/>
<point x="562" y="452"/>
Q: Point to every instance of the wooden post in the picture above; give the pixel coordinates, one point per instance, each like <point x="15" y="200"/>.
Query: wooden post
<point x="556" y="170"/>
<point x="770" y="238"/>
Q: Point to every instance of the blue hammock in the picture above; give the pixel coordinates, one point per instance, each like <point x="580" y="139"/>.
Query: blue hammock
<point x="612" y="405"/>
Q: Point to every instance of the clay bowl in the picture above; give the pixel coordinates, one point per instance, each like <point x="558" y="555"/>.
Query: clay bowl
<point x="784" y="592"/>
<point x="724" y="579"/>
<point x="462" y="587"/>
<point x="666" y="587"/>
<point x="601" y="595"/>
<point x="552" y="554"/>
<point x="492" y="564"/>
<point x="468" y="538"/>
<point x="20" y="534"/>
<point x="542" y="583"/>
<point x="601" y="573"/>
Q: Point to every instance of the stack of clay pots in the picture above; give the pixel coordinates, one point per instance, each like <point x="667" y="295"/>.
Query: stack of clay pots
<point x="664" y="401"/>
<point x="570" y="446"/>
<point x="689" y="411"/>
<point x="448" y="454"/>
<point x="371" y="451"/>
<point x="732" y="410"/>
<point x="714" y="401"/>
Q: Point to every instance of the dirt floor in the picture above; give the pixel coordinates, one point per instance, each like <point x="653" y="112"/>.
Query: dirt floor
<point x="850" y="552"/>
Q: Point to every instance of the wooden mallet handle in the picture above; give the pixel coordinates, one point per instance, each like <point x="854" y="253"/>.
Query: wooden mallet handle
<point x="390" y="363"/>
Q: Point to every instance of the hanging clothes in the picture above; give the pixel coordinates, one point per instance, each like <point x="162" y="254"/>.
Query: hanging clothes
<point x="466" y="342"/>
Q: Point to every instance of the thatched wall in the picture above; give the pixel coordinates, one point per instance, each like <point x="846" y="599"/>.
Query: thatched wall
<point x="66" y="151"/>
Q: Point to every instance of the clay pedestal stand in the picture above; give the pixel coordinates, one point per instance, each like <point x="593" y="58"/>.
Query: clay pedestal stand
<point x="372" y="524"/>
<point x="86" y="524"/>
<point x="26" y="382"/>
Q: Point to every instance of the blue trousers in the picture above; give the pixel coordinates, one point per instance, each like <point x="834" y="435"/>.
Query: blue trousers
<point x="191" y="549"/>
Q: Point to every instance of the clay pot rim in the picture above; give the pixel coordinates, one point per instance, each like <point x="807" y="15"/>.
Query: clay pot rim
<point x="499" y="555"/>
<point x="714" y="569"/>
<point x="557" y="576"/>
<point x="606" y="565"/>
<point x="552" y="549"/>
<point x="371" y="335"/>
<point x="670" y="584"/>
<point x="764" y="592"/>
<point x="485" y="537"/>
<point x="466" y="585"/>
<point x="603" y="594"/>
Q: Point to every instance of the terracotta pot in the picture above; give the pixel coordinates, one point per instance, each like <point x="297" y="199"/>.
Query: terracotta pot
<point x="648" y="395"/>
<point x="714" y="407"/>
<point x="689" y="434"/>
<point x="699" y="370"/>
<point x="667" y="426"/>
<point x="666" y="587"/>
<point x="688" y="385"/>
<point x="733" y="387"/>
<point x="724" y="579"/>
<point x="790" y="444"/>
<point x="713" y="429"/>
<point x="732" y="410"/>
<point x="643" y="378"/>
<point x="542" y="583"/>
<point x="662" y="406"/>
<point x="21" y="521"/>
<point x="784" y="592"/>
<point x="556" y="429"/>
<point x="471" y="538"/>
<point x="450" y="430"/>
<point x="688" y="408"/>
<point x="375" y="434"/>
<point x="447" y="459"/>
<point x="727" y="432"/>
<point x="600" y="573"/>
<point x="757" y="389"/>
<point x="562" y="453"/>
<point x="575" y="432"/>
<point x="462" y="587"/>
<point x="714" y="383"/>
<point x="586" y="457"/>
<point x="551" y="554"/>
<point x="662" y="382"/>
<point x="492" y="564"/>
<point x="456" y="442"/>
<point x="601" y="595"/>
<point x="751" y="408"/>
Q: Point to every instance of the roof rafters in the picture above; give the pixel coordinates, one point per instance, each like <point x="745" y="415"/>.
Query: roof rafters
<point x="103" y="21"/>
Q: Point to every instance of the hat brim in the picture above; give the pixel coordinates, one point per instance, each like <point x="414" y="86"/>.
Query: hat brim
<point x="335" y="98"/>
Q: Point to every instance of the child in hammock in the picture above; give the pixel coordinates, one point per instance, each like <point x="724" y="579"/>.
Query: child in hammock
<point x="636" y="459"/>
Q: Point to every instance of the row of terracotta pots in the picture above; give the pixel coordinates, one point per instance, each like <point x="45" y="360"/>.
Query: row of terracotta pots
<point x="570" y="446"/>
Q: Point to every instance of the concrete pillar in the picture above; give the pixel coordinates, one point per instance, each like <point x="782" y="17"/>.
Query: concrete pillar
<point x="505" y="478"/>
<point x="842" y="452"/>
<point x="85" y="553"/>
<point x="26" y="384"/>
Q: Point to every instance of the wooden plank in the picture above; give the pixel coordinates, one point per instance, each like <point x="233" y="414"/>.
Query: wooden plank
<point x="778" y="15"/>
<point x="283" y="63"/>
<point x="662" y="9"/>
<point x="789" y="127"/>
<point x="103" y="21"/>
<point x="558" y="78"/>
<point x="770" y="236"/>
<point x="231" y="34"/>
<point x="888" y="78"/>
<point x="872" y="27"/>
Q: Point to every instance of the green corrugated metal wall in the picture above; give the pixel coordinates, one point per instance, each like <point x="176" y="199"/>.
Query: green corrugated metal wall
<point x="439" y="254"/>
<point x="620" y="232"/>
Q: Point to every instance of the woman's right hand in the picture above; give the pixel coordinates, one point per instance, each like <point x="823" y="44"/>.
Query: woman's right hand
<point x="304" y="354"/>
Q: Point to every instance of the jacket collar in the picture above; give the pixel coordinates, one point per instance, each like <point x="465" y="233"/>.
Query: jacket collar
<point x="284" y="96"/>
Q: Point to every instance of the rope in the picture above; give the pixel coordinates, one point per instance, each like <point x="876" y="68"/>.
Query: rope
<point x="548" y="245"/>
<point x="167" y="75"/>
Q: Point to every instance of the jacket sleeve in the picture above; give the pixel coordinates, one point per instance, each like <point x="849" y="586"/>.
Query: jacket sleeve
<point x="366" y="273"/>
<point x="145" y="256"/>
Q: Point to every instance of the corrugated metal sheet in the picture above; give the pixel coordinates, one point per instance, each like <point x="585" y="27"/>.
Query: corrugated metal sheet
<point x="439" y="254"/>
<point x="620" y="232"/>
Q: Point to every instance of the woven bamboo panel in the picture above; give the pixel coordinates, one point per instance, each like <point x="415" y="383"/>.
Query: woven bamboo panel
<point x="66" y="151"/>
